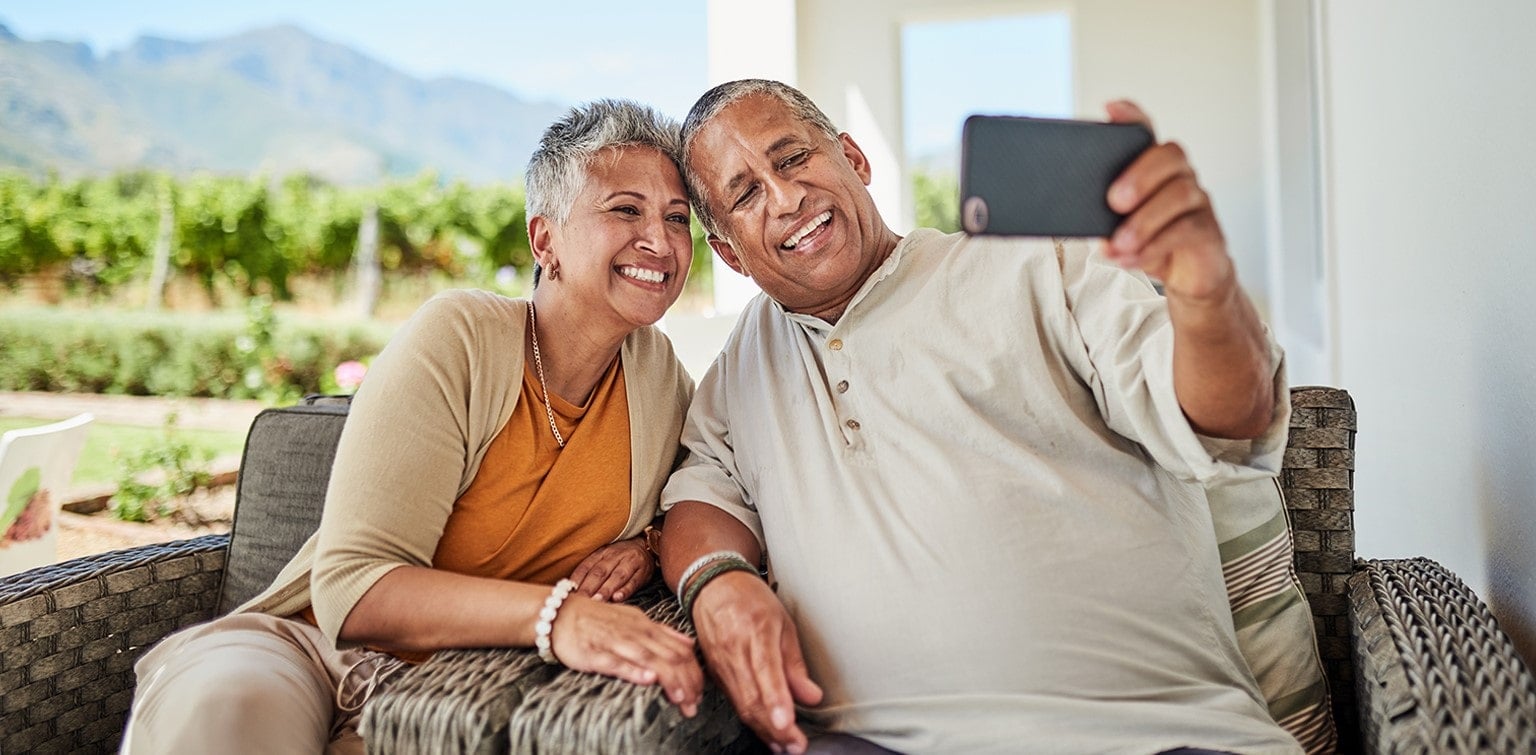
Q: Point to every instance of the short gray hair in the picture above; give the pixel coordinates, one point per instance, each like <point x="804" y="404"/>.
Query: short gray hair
<point x="719" y="98"/>
<point x="557" y="171"/>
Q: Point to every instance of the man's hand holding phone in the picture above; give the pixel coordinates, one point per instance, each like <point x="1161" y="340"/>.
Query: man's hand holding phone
<point x="1169" y="229"/>
<point x="1043" y="177"/>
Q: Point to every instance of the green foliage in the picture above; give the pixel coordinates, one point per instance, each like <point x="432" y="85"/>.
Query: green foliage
<point x="151" y="480"/>
<point x="255" y="233"/>
<point x="701" y="273"/>
<point x="936" y="200"/>
<point x="163" y="354"/>
<point x="96" y="231"/>
<point x="315" y="223"/>
<point x="266" y="372"/>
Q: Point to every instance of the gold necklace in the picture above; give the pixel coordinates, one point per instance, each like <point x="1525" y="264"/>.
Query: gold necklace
<point x="538" y="362"/>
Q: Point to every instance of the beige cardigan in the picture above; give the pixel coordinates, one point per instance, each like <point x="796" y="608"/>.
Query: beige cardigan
<point x="418" y="429"/>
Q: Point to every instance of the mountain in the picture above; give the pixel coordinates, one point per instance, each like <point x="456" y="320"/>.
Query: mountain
<point x="276" y="100"/>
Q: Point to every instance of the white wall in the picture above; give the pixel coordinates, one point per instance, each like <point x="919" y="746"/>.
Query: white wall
<point x="753" y="40"/>
<point x="1302" y="286"/>
<point x="1432" y="183"/>
<point x="1194" y="66"/>
<point x="858" y="86"/>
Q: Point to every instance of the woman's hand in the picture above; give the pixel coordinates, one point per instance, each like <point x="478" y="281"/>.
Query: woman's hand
<point x="614" y="571"/>
<point x="620" y="641"/>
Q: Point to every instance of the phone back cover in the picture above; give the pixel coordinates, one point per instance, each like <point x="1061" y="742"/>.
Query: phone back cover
<point x="1043" y="177"/>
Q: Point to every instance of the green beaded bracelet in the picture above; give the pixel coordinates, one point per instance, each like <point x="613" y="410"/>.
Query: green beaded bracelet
<point x="709" y="573"/>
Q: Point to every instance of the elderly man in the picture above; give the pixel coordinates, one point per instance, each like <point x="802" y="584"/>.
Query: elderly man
<point x="974" y="463"/>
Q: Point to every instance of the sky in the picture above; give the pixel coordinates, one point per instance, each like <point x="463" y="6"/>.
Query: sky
<point x="579" y="50"/>
<point x="569" y="51"/>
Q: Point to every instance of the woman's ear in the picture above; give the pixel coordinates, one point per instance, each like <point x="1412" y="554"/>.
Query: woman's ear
<point x="541" y="240"/>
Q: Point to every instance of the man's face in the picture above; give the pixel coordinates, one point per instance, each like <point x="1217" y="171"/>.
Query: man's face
<point x="792" y="204"/>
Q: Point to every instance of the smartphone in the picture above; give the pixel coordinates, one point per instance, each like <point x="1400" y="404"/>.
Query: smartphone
<point x="1043" y="176"/>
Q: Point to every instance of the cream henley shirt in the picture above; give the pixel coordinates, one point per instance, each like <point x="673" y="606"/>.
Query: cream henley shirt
<point x="983" y="507"/>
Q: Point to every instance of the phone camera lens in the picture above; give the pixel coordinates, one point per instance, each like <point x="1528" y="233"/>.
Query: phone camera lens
<point x="973" y="214"/>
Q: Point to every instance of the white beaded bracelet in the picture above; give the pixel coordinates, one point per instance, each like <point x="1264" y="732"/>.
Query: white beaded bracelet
<point x="700" y="563"/>
<point x="547" y="616"/>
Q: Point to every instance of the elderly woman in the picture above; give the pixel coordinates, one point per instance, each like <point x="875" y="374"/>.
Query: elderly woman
<point x="497" y="448"/>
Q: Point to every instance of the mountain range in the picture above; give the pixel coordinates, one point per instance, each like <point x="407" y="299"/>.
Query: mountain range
<point x="276" y="100"/>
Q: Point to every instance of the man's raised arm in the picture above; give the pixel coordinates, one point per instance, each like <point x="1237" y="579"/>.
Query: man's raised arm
<point x="1222" y="372"/>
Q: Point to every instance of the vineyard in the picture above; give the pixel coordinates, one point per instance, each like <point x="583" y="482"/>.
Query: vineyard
<point x="257" y="235"/>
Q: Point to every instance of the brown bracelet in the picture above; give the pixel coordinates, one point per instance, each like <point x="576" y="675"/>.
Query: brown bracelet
<point x="722" y="566"/>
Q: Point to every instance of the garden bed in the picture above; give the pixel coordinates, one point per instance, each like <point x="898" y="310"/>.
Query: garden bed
<point x="96" y="531"/>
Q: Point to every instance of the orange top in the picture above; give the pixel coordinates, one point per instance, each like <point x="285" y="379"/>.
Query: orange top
<point x="535" y="510"/>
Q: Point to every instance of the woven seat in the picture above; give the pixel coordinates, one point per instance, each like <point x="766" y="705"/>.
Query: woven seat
<point x="1416" y="663"/>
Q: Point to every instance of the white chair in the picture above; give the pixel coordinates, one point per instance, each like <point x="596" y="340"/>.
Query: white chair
<point x="35" y="466"/>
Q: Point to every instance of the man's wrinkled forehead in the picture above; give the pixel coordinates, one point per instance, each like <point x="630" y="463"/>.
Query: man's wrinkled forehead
<point x="753" y="127"/>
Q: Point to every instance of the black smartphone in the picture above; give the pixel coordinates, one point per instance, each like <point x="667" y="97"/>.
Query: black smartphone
<point x="1043" y="176"/>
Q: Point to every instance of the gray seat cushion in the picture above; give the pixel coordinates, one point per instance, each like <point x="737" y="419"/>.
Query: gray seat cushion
<point x="281" y="491"/>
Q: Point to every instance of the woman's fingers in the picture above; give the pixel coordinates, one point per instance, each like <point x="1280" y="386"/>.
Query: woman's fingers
<point x="620" y="641"/>
<point x="632" y="572"/>
<point x="614" y="571"/>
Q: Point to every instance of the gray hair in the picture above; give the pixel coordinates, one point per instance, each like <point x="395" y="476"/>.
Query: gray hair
<point x="557" y="171"/>
<point x="719" y="98"/>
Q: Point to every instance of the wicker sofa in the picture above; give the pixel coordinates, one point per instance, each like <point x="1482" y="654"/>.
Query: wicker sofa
<point x="1415" y="661"/>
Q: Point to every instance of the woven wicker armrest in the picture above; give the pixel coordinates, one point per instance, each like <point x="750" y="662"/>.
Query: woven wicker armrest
<point x="1434" y="671"/>
<point x="70" y="633"/>
<point x="504" y="700"/>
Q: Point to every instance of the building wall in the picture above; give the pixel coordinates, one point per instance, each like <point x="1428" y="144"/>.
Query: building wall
<point x="1427" y="124"/>
<point x="1194" y="66"/>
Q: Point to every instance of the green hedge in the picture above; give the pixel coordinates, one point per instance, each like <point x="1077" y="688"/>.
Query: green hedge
<point x="176" y="354"/>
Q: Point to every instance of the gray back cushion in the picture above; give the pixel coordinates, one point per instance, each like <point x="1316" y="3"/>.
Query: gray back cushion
<point x="283" y="475"/>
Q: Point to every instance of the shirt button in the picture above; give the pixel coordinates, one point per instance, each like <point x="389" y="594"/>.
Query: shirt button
<point x="835" y="344"/>
<point x="842" y="386"/>
<point x="852" y="424"/>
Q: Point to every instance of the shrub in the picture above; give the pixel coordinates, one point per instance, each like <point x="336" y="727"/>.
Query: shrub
<point x="180" y="468"/>
<point x="169" y="354"/>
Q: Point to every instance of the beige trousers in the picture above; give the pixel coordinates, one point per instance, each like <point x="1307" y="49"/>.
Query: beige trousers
<point x="252" y="683"/>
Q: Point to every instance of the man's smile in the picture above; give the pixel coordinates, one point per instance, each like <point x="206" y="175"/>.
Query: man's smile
<point x="811" y="227"/>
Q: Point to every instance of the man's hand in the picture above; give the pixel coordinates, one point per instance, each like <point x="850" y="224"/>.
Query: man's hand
<point x="1221" y="367"/>
<point x="1170" y="230"/>
<point x="750" y="643"/>
<point x="614" y="571"/>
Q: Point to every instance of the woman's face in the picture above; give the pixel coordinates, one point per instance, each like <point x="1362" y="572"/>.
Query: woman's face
<point x="623" y="253"/>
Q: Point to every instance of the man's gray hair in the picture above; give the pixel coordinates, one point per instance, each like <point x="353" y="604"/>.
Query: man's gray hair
<point x="721" y="97"/>
<point x="557" y="171"/>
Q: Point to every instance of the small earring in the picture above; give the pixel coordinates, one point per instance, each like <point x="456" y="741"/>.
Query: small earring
<point x="554" y="272"/>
